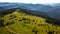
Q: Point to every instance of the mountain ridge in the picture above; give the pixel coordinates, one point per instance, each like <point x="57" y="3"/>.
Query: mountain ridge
<point x="47" y="9"/>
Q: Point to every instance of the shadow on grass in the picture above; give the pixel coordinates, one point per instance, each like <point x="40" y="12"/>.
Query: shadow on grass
<point x="53" y="21"/>
<point x="1" y="22"/>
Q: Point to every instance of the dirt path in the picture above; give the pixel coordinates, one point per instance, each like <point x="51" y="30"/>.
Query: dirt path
<point x="11" y="30"/>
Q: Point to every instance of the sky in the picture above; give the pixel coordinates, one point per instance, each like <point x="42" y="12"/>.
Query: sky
<point x="32" y="1"/>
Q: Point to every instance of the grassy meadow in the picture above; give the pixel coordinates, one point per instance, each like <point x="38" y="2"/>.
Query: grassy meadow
<point x="23" y="23"/>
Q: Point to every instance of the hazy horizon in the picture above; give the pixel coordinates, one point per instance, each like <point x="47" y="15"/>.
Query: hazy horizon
<point x="32" y="1"/>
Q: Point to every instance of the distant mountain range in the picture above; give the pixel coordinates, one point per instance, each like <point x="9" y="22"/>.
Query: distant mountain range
<point x="52" y="10"/>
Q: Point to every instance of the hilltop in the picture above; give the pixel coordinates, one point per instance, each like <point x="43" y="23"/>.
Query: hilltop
<point x="20" y="22"/>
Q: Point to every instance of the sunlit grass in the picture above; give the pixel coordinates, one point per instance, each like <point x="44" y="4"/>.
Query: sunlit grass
<point x="24" y="23"/>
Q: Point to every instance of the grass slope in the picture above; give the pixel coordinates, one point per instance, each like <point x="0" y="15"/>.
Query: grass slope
<point x="3" y="30"/>
<point x="28" y="24"/>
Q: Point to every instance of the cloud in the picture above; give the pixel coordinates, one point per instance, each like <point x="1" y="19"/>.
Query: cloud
<point x="32" y="1"/>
